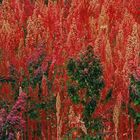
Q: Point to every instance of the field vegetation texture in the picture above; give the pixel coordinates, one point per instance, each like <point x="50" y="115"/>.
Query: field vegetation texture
<point x="70" y="69"/>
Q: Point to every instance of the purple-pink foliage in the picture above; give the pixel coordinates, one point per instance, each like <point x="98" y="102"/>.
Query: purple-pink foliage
<point x="15" y="118"/>
<point x="13" y="122"/>
<point x="11" y="136"/>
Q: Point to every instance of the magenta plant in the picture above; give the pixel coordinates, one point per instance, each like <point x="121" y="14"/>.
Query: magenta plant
<point x="13" y="122"/>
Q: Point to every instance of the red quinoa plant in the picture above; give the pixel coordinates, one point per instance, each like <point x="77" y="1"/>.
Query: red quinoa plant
<point x="39" y="38"/>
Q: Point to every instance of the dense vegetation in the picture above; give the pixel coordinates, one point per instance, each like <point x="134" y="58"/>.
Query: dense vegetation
<point x="69" y="69"/>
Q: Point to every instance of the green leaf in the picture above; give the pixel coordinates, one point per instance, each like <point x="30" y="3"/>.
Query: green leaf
<point x="138" y="115"/>
<point x="33" y="114"/>
<point x="71" y="67"/>
<point x="132" y="112"/>
<point x="136" y="102"/>
<point x="109" y="95"/>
